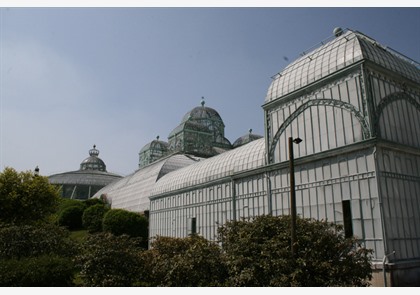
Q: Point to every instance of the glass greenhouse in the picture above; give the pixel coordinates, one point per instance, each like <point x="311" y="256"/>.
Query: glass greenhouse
<point x="355" y="104"/>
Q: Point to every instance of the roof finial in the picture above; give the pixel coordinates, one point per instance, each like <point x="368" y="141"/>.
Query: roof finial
<point x="94" y="151"/>
<point x="250" y="130"/>
<point x="157" y="137"/>
<point x="202" y="101"/>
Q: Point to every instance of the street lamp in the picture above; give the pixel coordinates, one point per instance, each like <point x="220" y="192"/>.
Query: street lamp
<point x="293" y="192"/>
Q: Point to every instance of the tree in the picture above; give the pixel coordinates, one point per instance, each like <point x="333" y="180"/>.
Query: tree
<point x="119" y="222"/>
<point x="26" y="197"/>
<point x="93" y="216"/>
<point x="258" y="254"/>
<point x="110" y="261"/>
<point x="184" y="262"/>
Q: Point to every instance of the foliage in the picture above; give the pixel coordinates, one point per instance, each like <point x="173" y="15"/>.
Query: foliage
<point x="110" y="261"/>
<point x="30" y="240"/>
<point x="93" y="201"/>
<point x="119" y="222"/>
<point x="66" y="203"/>
<point x="26" y="197"/>
<point x="92" y="217"/>
<point x="36" y="256"/>
<point x="258" y="254"/>
<point x="40" y="271"/>
<point x="71" y="217"/>
<point x="63" y="204"/>
<point x="184" y="262"/>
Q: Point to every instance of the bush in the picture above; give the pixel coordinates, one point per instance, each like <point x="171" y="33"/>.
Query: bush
<point x="92" y="217"/>
<point x="184" y="262"/>
<point x="66" y="203"/>
<point x="119" y="222"/>
<point x="41" y="271"/>
<point x="36" y="256"/>
<point x="71" y="217"/>
<point x="29" y="241"/>
<point x="110" y="261"/>
<point x="93" y="202"/>
<point x="258" y="254"/>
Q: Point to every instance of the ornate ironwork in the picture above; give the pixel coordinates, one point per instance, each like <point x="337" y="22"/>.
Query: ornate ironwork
<point x="316" y="102"/>
<point x="391" y="99"/>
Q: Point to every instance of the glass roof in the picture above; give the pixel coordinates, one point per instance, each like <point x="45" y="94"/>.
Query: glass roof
<point x="244" y="158"/>
<point x="199" y="113"/>
<point x="93" y="162"/>
<point x="90" y="177"/>
<point x="133" y="191"/>
<point x="246" y="139"/>
<point x="341" y="52"/>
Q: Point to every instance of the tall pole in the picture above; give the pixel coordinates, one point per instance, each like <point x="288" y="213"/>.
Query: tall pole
<point x="292" y="197"/>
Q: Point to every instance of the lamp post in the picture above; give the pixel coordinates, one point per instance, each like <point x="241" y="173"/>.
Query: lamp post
<point x="293" y="192"/>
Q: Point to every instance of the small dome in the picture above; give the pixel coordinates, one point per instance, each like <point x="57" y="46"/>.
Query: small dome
<point x="202" y="113"/>
<point x="93" y="162"/>
<point x="156" y="145"/>
<point x="152" y="152"/>
<point x="246" y="139"/>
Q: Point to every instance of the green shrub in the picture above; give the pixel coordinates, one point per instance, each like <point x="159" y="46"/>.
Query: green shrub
<point x="93" y="202"/>
<point x="71" y="217"/>
<point x="119" y="222"/>
<point x="30" y="240"/>
<point x="41" y="271"/>
<point x="110" y="261"/>
<point x="92" y="217"/>
<point x="184" y="262"/>
<point x="66" y="203"/>
<point x="258" y="254"/>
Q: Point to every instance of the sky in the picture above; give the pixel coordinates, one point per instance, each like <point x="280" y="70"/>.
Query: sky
<point x="118" y="77"/>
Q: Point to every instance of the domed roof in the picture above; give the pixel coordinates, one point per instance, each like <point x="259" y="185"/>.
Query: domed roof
<point x="202" y="113"/>
<point x="155" y="144"/>
<point x="246" y="139"/>
<point x="93" y="162"/>
<point x="153" y="151"/>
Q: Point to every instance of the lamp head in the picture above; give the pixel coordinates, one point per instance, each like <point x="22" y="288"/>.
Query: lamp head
<point x="297" y="140"/>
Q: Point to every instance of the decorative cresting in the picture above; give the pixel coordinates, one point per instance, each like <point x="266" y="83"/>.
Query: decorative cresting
<point x="388" y="100"/>
<point x="316" y="102"/>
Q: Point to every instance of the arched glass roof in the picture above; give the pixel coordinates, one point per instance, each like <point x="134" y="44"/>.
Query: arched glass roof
<point x="342" y="51"/>
<point x="133" y="191"/>
<point x="244" y="158"/>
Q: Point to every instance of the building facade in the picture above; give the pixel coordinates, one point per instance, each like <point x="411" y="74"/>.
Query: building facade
<point x="355" y="105"/>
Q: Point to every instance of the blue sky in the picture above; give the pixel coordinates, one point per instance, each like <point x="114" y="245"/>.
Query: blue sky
<point x="119" y="77"/>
